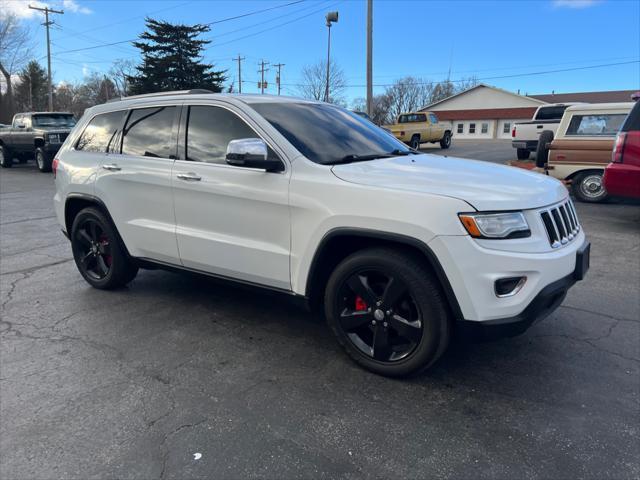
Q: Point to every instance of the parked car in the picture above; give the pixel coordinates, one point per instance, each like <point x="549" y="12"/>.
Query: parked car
<point x="421" y="127"/>
<point x="582" y="147"/>
<point x="525" y="134"/>
<point x="34" y="134"/>
<point x="307" y="199"/>
<point x="622" y="175"/>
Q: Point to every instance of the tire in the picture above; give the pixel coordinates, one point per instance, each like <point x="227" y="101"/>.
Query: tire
<point x="415" y="142"/>
<point x="43" y="160"/>
<point x="374" y="336"/>
<point x="523" y="153"/>
<point x="6" y="158"/>
<point x="542" y="152"/>
<point x="98" y="251"/>
<point x="446" y="141"/>
<point x="588" y="187"/>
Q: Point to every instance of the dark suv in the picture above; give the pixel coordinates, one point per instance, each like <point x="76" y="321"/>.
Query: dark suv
<point x="622" y="175"/>
<point x="35" y="135"/>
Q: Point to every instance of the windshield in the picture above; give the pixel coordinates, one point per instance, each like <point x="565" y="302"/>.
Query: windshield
<point x="328" y="134"/>
<point x="53" y="120"/>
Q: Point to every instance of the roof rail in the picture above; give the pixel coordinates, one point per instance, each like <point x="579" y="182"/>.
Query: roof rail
<point x="162" y="94"/>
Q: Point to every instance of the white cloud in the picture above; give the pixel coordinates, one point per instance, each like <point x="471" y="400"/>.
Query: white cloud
<point x="74" y="7"/>
<point x="575" y="3"/>
<point x="85" y="70"/>
<point x="20" y="8"/>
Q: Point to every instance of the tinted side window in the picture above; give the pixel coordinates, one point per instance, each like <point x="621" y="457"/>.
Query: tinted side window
<point x="149" y="132"/>
<point x="209" y="131"/>
<point x="632" y="123"/>
<point x="551" y="113"/>
<point x="102" y="134"/>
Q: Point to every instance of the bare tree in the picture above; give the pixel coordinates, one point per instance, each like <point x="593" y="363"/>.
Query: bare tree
<point x="407" y="95"/>
<point x="380" y="113"/>
<point x="120" y="72"/>
<point x="314" y="81"/>
<point x="15" y="52"/>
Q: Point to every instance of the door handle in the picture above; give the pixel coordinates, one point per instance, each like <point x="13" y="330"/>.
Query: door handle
<point x="189" y="177"/>
<point x="112" y="167"/>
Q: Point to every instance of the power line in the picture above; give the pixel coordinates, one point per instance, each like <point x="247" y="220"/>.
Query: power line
<point x="529" y="74"/>
<point x="208" y="24"/>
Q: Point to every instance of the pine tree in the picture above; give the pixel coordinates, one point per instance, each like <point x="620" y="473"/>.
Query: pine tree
<point x="172" y="60"/>
<point x="31" y="92"/>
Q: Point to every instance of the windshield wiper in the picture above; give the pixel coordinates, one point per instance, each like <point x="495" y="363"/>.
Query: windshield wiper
<point x="360" y="158"/>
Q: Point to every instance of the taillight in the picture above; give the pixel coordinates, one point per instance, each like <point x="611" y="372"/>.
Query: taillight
<point x="513" y="132"/>
<point x="618" y="147"/>
<point x="54" y="166"/>
<point x="402" y="134"/>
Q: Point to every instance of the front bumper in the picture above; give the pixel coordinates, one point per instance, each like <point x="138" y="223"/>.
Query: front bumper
<point x="544" y="303"/>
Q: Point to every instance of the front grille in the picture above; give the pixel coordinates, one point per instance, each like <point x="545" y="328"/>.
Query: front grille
<point x="561" y="223"/>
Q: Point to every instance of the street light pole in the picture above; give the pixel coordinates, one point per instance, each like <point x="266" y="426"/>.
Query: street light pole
<point x="332" y="17"/>
<point x="370" y="58"/>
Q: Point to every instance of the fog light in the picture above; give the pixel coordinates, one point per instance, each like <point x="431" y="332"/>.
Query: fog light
<point x="507" y="287"/>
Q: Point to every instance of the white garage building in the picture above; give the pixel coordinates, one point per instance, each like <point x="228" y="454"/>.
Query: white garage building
<point x="485" y="112"/>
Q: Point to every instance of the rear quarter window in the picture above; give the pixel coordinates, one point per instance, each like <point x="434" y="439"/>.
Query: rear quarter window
<point x="551" y="113"/>
<point x="596" y="125"/>
<point x="102" y="133"/>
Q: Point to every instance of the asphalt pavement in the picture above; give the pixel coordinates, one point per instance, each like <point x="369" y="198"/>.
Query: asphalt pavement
<point x="178" y="376"/>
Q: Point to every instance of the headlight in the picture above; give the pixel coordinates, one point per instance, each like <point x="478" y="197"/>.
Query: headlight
<point x="495" y="225"/>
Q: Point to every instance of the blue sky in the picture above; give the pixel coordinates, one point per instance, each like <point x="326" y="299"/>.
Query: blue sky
<point x="421" y="38"/>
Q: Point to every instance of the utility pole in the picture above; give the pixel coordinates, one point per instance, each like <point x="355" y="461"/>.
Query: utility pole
<point x="370" y="58"/>
<point x="262" y="70"/>
<point x="279" y="78"/>
<point x="239" y="60"/>
<point x="46" y="11"/>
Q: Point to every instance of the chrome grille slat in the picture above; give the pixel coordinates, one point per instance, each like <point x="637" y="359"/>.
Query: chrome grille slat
<point x="561" y="223"/>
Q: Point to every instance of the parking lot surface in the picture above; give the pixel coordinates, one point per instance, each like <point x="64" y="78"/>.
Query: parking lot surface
<point x="133" y="383"/>
<point x="497" y="151"/>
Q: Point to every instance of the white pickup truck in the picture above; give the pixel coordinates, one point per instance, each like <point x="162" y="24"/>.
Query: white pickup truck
<point x="525" y="135"/>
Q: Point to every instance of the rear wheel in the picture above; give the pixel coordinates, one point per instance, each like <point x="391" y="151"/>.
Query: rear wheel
<point x="542" y="152"/>
<point x="523" y="153"/>
<point x="43" y="160"/>
<point x="446" y="140"/>
<point x="589" y="187"/>
<point x="415" y="142"/>
<point x="387" y="311"/>
<point x="98" y="252"/>
<point x="6" y="158"/>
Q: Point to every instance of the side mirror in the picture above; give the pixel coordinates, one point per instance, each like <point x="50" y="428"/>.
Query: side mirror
<point x="251" y="153"/>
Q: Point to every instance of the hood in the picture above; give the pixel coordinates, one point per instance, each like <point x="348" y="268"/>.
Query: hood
<point x="484" y="185"/>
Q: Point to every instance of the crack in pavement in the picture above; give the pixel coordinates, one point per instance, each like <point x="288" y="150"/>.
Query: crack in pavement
<point x="165" y="456"/>
<point x="578" y="309"/>
<point x="27" y="220"/>
<point x="39" y="267"/>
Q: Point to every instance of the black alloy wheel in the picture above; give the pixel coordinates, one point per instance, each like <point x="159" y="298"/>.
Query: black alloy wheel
<point x="388" y="311"/>
<point x="95" y="249"/>
<point x="99" y="252"/>
<point x="379" y="315"/>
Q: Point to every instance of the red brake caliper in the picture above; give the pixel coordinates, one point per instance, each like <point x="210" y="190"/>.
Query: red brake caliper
<point x="360" y="304"/>
<point x="105" y="241"/>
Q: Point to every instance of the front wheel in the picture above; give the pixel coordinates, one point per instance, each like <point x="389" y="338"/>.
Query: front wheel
<point x="589" y="187"/>
<point x="43" y="160"/>
<point x="387" y="311"/>
<point x="6" y="159"/>
<point x="98" y="252"/>
<point x="446" y="140"/>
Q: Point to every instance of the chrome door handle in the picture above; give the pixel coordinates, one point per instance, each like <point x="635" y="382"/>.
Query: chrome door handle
<point x="190" y="177"/>
<point x="112" y="167"/>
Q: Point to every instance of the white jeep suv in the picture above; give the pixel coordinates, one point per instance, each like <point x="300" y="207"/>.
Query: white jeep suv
<point x="403" y="249"/>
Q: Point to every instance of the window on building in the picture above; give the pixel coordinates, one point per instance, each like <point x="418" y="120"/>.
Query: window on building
<point x="484" y="128"/>
<point x="596" y="125"/>
<point x="148" y="132"/>
<point x="506" y="127"/>
<point x="461" y="128"/>
<point x="102" y="134"/>
<point x="472" y="128"/>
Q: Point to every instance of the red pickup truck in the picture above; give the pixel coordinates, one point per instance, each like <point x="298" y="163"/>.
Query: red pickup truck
<point x="622" y="175"/>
